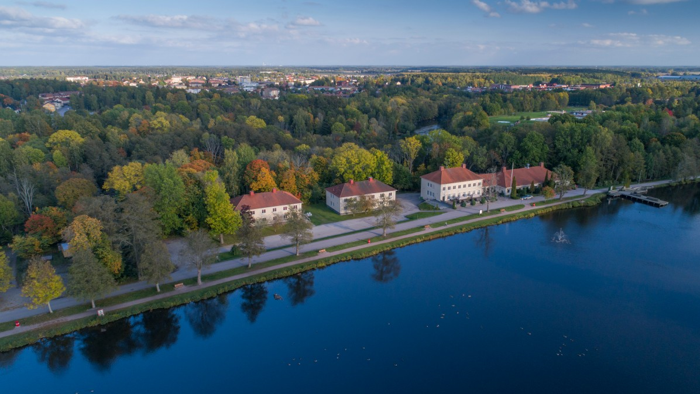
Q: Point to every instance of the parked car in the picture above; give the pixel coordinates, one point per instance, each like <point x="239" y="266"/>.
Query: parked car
<point x="526" y="197"/>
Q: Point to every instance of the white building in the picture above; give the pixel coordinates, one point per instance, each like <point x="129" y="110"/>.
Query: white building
<point x="267" y="205"/>
<point x="338" y="195"/>
<point x="445" y="184"/>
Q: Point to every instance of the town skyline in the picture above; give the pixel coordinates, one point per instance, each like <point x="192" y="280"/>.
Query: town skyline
<point x="323" y="33"/>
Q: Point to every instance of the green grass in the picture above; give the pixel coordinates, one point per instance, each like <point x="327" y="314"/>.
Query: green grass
<point x="322" y="214"/>
<point x="425" y="206"/>
<point x="422" y="215"/>
<point x="516" y="116"/>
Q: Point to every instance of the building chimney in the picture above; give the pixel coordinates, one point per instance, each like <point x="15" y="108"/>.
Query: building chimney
<point x="503" y="169"/>
<point x="442" y="168"/>
<point x="274" y="190"/>
<point x="542" y="164"/>
<point x="352" y="182"/>
<point x="371" y="179"/>
<point x="252" y="193"/>
<point x="464" y="165"/>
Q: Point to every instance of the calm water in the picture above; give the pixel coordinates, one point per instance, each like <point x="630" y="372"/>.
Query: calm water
<point x="501" y="310"/>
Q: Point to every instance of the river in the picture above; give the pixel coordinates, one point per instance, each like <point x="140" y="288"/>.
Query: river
<point x="497" y="310"/>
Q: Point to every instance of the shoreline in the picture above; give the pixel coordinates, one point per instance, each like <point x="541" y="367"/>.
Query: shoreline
<point x="275" y="269"/>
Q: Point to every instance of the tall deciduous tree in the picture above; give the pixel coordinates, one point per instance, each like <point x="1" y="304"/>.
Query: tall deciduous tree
<point x="565" y="176"/>
<point x="385" y="213"/>
<point x="410" y="147"/>
<point x="5" y="272"/>
<point x="156" y="265"/>
<point x="170" y="194"/>
<point x="298" y="229"/>
<point x="453" y="158"/>
<point x="42" y="284"/>
<point x="250" y="238"/>
<point x="588" y="169"/>
<point x="350" y="162"/>
<point x="199" y="251"/>
<point x="231" y="172"/>
<point x="88" y="279"/>
<point x="221" y="217"/>
<point x="125" y="179"/>
<point x="70" y="191"/>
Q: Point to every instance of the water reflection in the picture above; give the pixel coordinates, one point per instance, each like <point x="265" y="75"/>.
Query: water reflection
<point x="56" y="352"/>
<point x="301" y="287"/>
<point x="204" y="316"/>
<point x="254" y="299"/>
<point x="485" y="241"/>
<point x="8" y="358"/>
<point x="159" y="328"/>
<point x="386" y="266"/>
<point x="685" y="198"/>
<point x="103" y="345"/>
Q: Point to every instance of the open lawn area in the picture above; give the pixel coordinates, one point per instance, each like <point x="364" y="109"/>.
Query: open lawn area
<point x="516" y="117"/>
<point x="322" y="214"/>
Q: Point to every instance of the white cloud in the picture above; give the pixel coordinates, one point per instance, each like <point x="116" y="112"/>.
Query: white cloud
<point x="632" y="40"/>
<point x="12" y="18"/>
<point x="174" y="22"/>
<point x="650" y="2"/>
<point x="305" y="21"/>
<point x="488" y="11"/>
<point x="587" y="25"/>
<point x="535" y="7"/>
<point x="643" y="11"/>
<point x="43" y="4"/>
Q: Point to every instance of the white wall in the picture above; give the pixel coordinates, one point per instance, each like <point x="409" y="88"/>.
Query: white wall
<point x="339" y="204"/>
<point x="270" y="213"/>
<point x="451" y="191"/>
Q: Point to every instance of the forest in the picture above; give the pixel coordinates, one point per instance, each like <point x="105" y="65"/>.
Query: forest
<point x="129" y="166"/>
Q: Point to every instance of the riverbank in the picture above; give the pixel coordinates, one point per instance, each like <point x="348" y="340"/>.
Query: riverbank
<point x="225" y="281"/>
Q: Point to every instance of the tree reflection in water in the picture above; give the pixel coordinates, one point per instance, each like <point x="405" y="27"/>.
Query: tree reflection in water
<point x="386" y="266"/>
<point x="254" y="299"/>
<point x="301" y="287"/>
<point x="159" y="328"/>
<point x="102" y="345"/>
<point x="55" y="352"/>
<point x="204" y="316"/>
<point x="8" y="358"/>
<point x="485" y="240"/>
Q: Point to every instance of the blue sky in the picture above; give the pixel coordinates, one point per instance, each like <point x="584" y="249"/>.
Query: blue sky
<point x="359" y="32"/>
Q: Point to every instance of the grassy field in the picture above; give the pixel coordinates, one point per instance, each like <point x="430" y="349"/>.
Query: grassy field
<point x="321" y="214"/>
<point x="538" y="114"/>
<point x="425" y="206"/>
<point x="421" y="215"/>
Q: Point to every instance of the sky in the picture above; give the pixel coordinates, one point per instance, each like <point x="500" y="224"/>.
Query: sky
<point x="352" y="33"/>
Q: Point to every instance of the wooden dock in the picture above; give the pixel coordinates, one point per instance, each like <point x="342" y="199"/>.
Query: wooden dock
<point x="637" y="195"/>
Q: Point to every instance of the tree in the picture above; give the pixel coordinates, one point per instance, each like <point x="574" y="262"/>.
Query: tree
<point x="27" y="246"/>
<point x="70" y="191"/>
<point x="351" y="162"/>
<point x="221" y="218"/>
<point x="9" y="216"/>
<point x="358" y="205"/>
<point x="43" y="227"/>
<point x="453" y="158"/>
<point x="298" y="229"/>
<point x="156" y="265"/>
<point x="42" y="284"/>
<point x="258" y="176"/>
<point x="383" y="167"/>
<point x="199" y="251"/>
<point x="532" y="186"/>
<point x="139" y="228"/>
<point x="5" y="272"/>
<point x="85" y="233"/>
<point x="230" y="172"/>
<point x="250" y="238"/>
<point x="88" y="279"/>
<point x="255" y="122"/>
<point x="254" y="298"/>
<point x="385" y="212"/>
<point x="410" y="147"/>
<point x="514" y="189"/>
<point x="548" y="193"/>
<point x="588" y="169"/>
<point x="170" y="194"/>
<point x="565" y="176"/>
<point x="490" y="182"/>
<point x="125" y="179"/>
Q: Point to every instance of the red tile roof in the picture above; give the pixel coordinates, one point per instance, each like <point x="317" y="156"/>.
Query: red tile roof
<point x="274" y="198"/>
<point x="523" y="176"/>
<point x="451" y="175"/>
<point x="361" y="188"/>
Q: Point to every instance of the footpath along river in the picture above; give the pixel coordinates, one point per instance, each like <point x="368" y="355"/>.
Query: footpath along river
<point x="497" y="310"/>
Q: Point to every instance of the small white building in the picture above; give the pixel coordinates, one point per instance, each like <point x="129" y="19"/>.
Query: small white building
<point x="267" y="205"/>
<point x="337" y="196"/>
<point x="445" y="184"/>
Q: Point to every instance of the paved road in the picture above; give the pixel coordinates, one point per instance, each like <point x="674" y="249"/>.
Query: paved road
<point x="185" y="273"/>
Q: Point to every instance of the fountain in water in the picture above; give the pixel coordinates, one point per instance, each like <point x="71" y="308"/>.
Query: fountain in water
<point x="560" y="237"/>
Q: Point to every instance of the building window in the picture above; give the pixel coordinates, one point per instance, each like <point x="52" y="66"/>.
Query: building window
<point x="443" y="188"/>
<point x="389" y="195"/>
<point x="274" y="209"/>
<point x="284" y="209"/>
<point x="381" y="195"/>
<point x="264" y="210"/>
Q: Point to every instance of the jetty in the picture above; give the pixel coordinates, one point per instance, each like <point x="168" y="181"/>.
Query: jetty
<point x="637" y="195"/>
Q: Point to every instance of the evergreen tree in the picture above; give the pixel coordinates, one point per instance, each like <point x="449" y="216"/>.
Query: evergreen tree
<point x="514" y="189"/>
<point x="88" y="279"/>
<point x="42" y="284"/>
<point x="532" y="187"/>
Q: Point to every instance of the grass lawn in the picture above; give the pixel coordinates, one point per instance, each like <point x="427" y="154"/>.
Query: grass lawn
<point x="516" y="117"/>
<point x="321" y="214"/>
<point x="421" y="215"/>
<point x="425" y="206"/>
